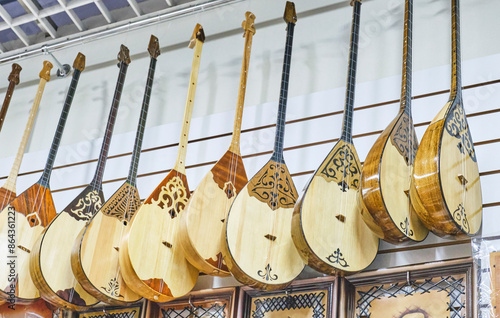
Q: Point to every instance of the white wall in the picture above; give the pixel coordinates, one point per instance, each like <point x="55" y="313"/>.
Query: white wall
<point x="317" y="86"/>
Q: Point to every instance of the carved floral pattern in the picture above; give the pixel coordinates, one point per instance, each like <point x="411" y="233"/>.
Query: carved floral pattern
<point x="86" y="206"/>
<point x="403" y="138"/>
<point x="113" y="288"/>
<point x="342" y="167"/>
<point x="337" y="258"/>
<point x="173" y="197"/>
<point x="266" y="273"/>
<point x="456" y="125"/>
<point x="274" y="186"/>
<point x="461" y="218"/>
<point x="123" y="204"/>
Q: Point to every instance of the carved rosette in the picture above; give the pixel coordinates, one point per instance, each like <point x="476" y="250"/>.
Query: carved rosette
<point x="266" y="273"/>
<point x="86" y="206"/>
<point x="342" y="167"/>
<point x="456" y="125"/>
<point x="113" y="288"/>
<point x="403" y="137"/>
<point x="173" y="196"/>
<point x="273" y="185"/>
<point x="123" y="204"/>
<point x="460" y="217"/>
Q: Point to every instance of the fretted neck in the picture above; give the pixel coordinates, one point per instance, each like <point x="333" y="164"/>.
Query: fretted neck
<point x="10" y="183"/>
<point x="132" y="175"/>
<point x="456" y="76"/>
<point x="407" y="58"/>
<point x="103" y="156"/>
<point x="351" y="75"/>
<point x="44" y="180"/>
<point x="180" y="163"/>
<point x="6" y="102"/>
<point x="285" y="77"/>
<point x="235" y="142"/>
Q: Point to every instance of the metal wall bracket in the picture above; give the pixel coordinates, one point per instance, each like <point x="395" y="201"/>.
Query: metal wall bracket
<point x="63" y="70"/>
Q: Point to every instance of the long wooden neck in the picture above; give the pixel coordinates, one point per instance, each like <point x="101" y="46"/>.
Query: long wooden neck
<point x="407" y="58"/>
<point x="285" y="77"/>
<point x="235" y="142"/>
<point x="180" y="163"/>
<point x="6" y="102"/>
<point x="10" y="183"/>
<point x="132" y="175"/>
<point x="103" y="156"/>
<point x="45" y="178"/>
<point x="456" y="75"/>
<point x="351" y="74"/>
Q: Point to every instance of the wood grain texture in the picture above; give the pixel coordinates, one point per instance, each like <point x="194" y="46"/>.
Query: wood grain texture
<point x="260" y="251"/>
<point x="445" y="205"/>
<point x="95" y="255"/>
<point x="203" y="223"/>
<point x="6" y="196"/>
<point x="37" y="309"/>
<point x="327" y="226"/>
<point x="50" y="261"/>
<point x="385" y="183"/>
<point x="152" y="262"/>
<point x="34" y="210"/>
<point x="495" y="282"/>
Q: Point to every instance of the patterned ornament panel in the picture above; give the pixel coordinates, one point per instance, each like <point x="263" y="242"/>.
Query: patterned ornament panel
<point x="297" y="305"/>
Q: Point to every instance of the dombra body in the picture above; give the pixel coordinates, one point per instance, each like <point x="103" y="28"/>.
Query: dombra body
<point x="260" y="251"/>
<point x="446" y="174"/>
<point x="386" y="182"/>
<point x="327" y="226"/>
<point x="204" y="247"/>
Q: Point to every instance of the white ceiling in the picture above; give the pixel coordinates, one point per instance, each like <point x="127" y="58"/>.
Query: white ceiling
<point x="28" y="24"/>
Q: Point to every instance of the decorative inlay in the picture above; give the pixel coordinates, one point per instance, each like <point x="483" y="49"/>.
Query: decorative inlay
<point x="218" y="262"/>
<point x="342" y="167"/>
<point x="274" y="186"/>
<point x="123" y="204"/>
<point x="113" y="288"/>
<point x="172" y="196"/>
<point x="337" y="258"/>
<point x="456" y="125"/>
<point x="460" y="217"/>
<point x="266" y="307"/>
<point x="229" y="189"/>
<point x="266" y="273"/>
<point x="403" y="138"/>
<point x="86" y="206"/>
<point x="72" y="296"/>
<point x="405" y="227"/>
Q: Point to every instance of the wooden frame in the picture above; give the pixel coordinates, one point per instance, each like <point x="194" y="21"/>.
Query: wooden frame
<point x="201" y="300"/>
<point x="136" y="310"/>
<point x="397" y="278"/>
<point x="313" y="288"/>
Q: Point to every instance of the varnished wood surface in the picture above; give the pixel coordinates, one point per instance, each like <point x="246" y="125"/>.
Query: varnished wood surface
<point x="436" y="188"/>
<point x="37" y="309"/>
<point x="203" y="223"/>
<point x="152" y="262"/>
<point x="13" y="81"/>
<point x="94" y="257"/>
<point x="5" y="197"/>
<point x="34" y="209"/>
<point x="327" y="226"/>
<point x="259" y="250"/>
<point x="385" y="183"/>
<point x="50" y="262"/>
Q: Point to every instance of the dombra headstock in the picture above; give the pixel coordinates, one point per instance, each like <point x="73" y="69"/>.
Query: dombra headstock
<point x="248" y="23"/>
<point x="198" y="34"/>
<point x="45" y="73"/>
<point x="123" y="55"/>
<point x="154" y="47"/>
<point x="290" y="16"/>
<point x="79" y="63"/>
<point x="14" y="75"/>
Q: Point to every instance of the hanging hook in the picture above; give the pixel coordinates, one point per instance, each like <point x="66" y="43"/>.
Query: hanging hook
<point x="190" y="303"/>
<point x="62" y="69"/>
